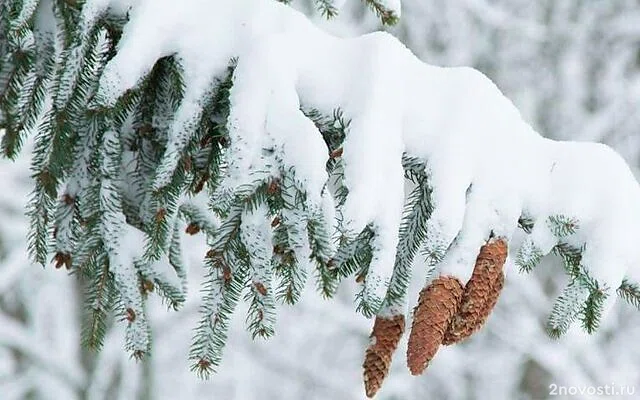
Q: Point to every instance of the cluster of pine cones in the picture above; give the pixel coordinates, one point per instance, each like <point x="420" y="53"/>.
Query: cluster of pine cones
<point x="447" y="313"/>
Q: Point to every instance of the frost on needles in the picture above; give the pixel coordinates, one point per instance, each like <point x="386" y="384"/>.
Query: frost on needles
<point x="288" y="150"/>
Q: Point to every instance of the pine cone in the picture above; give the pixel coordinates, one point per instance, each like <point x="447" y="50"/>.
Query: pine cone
<point x="481" y="292"/>
<point x="437" y="305"/>
<point x="385" y="336"/>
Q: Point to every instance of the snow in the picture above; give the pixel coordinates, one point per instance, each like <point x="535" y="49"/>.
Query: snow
<point x="509" y="167"/>
<point x="486" y="164"/>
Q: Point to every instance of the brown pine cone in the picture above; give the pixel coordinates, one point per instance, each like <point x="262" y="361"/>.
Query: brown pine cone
<point x="480" y="293"/>
<point x="385" y="336"/>
<point x="437" y="305"/>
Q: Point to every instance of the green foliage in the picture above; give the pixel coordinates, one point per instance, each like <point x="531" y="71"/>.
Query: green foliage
<point x="630" y="292"/>
<point x="101" y="295"/>
<point x="329" y="10"/>
<point x="354" y="250"/>
<point x="571" y="257"/>
<point x="255" y="234"/>
<point x="291" y="277"/>
<point x="526" y="223"/>
<point x="17" y="73"/>
<point x="529" y="255"/>
<point x="326" y="8"/>
<point x="224" y="282"/>
<point x="583" y="298"/>
<point x="591" y="312"/>
<point x="321" y="252"/>
<point x="147" y="167"/>
<point x="413" y="230"/>
<point x="387" y="16"/>
<point x="355" y="254"/>
<point x="567" y="308"/>
<point x="333" y="130"/>
<point x="77" y="207"/>
<point x="562" y="226"/>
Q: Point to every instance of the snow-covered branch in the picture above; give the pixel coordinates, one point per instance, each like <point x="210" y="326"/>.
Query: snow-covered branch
<point x="231" y="99"/>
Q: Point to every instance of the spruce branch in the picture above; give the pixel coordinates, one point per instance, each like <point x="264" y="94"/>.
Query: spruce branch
<point x="256" y="237"/>
<point x="159" y="273"/>
<point x="388" y="17"/>
<point x="211" y="137"/>
<point x="412" y="234"/>
<point x="226" y="277"/>
<point x="18" y="68"/>
<point x="165" y="204"/>
<point x="529" y="255"/>
<point x="591" y="312"/>
<point x="100" y="295"/>
<point x="562" y="226"/>
<point x="66" y="223"/>
<point x="571" y="257"/>
<point x="195" y="214"/>
<point x="23" y="115"/>
<point x="326" y="8"/>
<point x="154" y="104"/>
<point x="630" y="292"/>
<point x="526" y="223"/>
<point x="114" y="229"/>
<point x="176" y="259"/>
<point x="583" y="297"/>
<point x="292" y="255"/>
<point x="291" y="250"/>
<point x="333" y="129"/>
<point x="567" y="307"/>
<point x="360" y="262"/>
<point x="321" y="252"/>
<point x="290" y="274"/>
<point x="353" y="255"/>
<point x="173" y="294"/>
<point x="141" y="166"/>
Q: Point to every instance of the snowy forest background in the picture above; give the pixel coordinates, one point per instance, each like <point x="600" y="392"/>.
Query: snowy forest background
<point x="573" y="69"/>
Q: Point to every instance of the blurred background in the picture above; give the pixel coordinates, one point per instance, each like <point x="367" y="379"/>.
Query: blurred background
<point x="573" y="69"/>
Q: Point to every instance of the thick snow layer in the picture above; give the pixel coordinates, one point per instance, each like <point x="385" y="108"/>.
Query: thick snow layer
<point x="486" y="165"/>
<point x="512" y="346"/>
